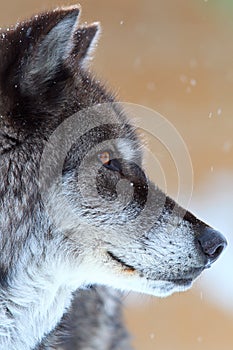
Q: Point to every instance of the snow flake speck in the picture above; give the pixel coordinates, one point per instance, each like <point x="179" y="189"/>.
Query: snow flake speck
<point x="193" y="82"/>
<point x="227" y="146"/>
<point x="199" y="339"/>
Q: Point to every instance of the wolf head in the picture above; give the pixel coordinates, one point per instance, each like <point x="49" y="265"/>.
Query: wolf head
<point x="74" y="196"/>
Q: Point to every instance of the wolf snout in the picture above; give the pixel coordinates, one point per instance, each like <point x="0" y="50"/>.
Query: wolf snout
<point x="212" y="243"/>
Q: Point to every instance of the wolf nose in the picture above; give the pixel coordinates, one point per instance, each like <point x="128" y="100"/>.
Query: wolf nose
<point x="212" y="243"/>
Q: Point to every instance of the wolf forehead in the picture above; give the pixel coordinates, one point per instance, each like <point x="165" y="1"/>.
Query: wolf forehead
<point x="43" y="67"/>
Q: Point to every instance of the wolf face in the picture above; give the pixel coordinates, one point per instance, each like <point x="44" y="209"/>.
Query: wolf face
<point x="76" y="206"/>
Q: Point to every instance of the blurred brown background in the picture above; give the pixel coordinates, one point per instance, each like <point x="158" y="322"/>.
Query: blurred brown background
<point x="175" y="57"/>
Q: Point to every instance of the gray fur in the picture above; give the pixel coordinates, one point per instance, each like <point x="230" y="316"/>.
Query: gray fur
<point x="101" y="330"/>
<point x="68" y="221"/>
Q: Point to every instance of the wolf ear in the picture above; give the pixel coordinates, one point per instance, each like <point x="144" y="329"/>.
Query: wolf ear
<point x="60" y="42"/>
<point x="85" y="39"/>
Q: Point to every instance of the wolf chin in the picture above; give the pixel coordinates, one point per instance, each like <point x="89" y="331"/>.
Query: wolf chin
<point x="76" y="223"/>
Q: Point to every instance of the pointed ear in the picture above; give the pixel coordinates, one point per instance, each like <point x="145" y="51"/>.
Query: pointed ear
<point x="84" y="42"/>
<point x="59" y="40"/>
<point x="50" y="49"/>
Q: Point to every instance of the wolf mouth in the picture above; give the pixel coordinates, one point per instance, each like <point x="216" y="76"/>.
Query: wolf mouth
<point x="182" y="282"/>
<point x="187" y="280"/>
<point x="121" y="262"/>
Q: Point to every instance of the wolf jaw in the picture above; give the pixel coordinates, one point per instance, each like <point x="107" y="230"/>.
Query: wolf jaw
<point x="51" y="247"/>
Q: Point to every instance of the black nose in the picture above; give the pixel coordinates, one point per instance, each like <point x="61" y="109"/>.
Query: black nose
<point x="212" y="243"/>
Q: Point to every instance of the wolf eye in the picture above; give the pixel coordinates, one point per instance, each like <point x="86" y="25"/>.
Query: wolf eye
<point x="104" y="157"/>
<point x="109" y="163"/>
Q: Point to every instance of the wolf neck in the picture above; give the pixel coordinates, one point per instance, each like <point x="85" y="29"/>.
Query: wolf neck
<point x="32" y="306"/>
<point x="36" y="291"/>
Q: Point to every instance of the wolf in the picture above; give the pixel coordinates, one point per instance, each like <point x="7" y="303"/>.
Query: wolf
<point x="79" y="216"/>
